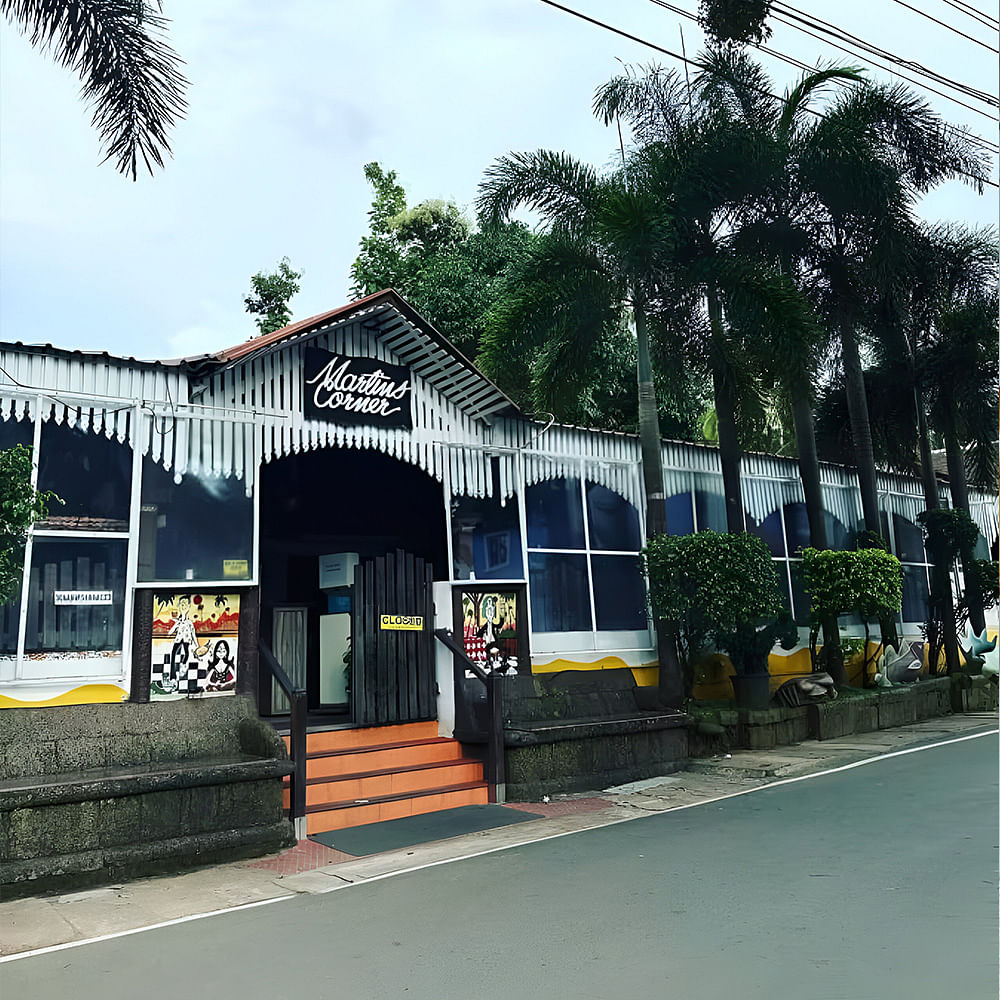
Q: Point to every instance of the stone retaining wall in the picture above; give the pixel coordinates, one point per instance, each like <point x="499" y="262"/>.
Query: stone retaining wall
<point x="721" y="728"/>
<point x="90" y="793"/>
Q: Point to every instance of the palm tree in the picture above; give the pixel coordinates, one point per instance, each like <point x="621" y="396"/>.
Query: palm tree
<point x="702" y="160"/>
<point x="608" y="232"/>
<point x="774" y="233"/>
<point x="951" y="349"/>
<point x="129" y="72"/>
<point x="863" y="164"/>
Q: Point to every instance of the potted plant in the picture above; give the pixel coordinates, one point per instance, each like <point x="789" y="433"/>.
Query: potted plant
<point x="721" y="588"/>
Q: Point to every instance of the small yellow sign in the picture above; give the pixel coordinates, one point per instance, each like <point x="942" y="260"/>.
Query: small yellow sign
<point x="401" y="623"/>
<point x="235" y="569"/>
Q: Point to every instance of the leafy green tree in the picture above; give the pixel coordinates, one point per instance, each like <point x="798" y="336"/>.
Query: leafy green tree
<point x="129" y="72"/>
<point x="696" y="162"/>
<point x="558" y="341"/>
<point x="606" y="232"/>
<point x="20" y="506"/>
<point x="735" y="22"/>
<point x="721" y="588"/>
<point x="868" y="583"/>
<point x="450" y="271"/>
<point x="942" y="333"/>
<point x="378" y="259"/>
<point x="270" y="295"/>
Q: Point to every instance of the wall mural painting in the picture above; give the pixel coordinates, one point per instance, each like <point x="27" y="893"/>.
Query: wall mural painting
<point x="490" y="629"/>
<point x="194" y="644"/>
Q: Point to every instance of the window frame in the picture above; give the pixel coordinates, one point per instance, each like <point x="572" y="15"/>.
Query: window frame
<point x="116" y="669"/>
<point x="592" y="639"/>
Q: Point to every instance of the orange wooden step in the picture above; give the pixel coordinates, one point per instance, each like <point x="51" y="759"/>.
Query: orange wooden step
<point x="321" y="818"/>
<point x="345" y="739"/>
<point x="421" y="778"/>
<point x="329" y="763"/>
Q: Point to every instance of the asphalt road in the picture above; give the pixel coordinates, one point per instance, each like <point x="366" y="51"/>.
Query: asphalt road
<point x="870" y="884"/>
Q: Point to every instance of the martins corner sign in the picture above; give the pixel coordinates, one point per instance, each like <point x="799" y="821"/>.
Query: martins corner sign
<point x="352" y="391"/>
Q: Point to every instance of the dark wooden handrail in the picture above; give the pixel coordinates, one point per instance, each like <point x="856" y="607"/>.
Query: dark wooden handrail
<point x="297" y="735"/>
<point x="495" y="764"/>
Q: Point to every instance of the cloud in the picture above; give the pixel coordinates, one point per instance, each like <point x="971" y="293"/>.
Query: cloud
<point x="199" y="339"/>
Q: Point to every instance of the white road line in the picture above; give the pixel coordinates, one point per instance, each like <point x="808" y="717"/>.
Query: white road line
<point x="140" y="930"/>
<point x="495" y="850"/>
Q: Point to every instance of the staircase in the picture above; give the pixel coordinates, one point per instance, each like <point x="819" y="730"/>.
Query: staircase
<point x="356" y="776"/>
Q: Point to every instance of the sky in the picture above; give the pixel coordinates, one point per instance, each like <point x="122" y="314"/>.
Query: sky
<point x="289" y="101"/>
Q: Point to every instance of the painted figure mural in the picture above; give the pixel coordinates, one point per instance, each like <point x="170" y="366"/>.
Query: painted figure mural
<point x="194" y="644"/>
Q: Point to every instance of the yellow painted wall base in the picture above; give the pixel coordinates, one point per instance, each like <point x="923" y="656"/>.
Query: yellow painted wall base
<point x="645" y="675"/>
<point x="85" y="694"/>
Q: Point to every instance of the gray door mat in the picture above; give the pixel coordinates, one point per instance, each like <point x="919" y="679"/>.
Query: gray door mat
<point x="390" y="835"/>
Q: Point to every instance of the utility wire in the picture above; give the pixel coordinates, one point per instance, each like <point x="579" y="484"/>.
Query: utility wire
<point x="845" y="36"/>
<point x="694" y="62"/>
<point x="896" y="72"/>
<point x="976" y="15"/>
<point x="945" y="24"/>
<point x="792" y="61"/>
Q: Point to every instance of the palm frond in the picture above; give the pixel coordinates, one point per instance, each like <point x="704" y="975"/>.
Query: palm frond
<point x="556" y="185"/>
<point x="797" y="99"/>
<point x="653" y="101"/>
<point x="129" y="72"/>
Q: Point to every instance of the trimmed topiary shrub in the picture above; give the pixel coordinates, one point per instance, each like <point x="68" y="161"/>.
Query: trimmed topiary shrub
<point x="868" y="583"/>
<point x="720" y="588"/>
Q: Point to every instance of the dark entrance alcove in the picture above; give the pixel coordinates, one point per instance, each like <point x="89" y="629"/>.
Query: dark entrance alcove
<point x="334" y="501"/>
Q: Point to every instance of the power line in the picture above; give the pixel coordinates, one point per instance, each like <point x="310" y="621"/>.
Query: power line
<point x="869" y="49"/>
<point x="792" y="61"/>
<point x="693" y="62"/>
<point x="945" y="24"/>
<point x="843" y="35"/>
<point x="977" y="15"/>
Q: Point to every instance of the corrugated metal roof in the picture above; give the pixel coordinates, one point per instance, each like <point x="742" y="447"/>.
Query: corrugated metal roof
<point x="402" y="330"/>
<point x="67" y="352"/>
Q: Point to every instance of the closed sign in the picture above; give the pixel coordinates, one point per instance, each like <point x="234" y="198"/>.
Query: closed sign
<point x="401" y="623"/>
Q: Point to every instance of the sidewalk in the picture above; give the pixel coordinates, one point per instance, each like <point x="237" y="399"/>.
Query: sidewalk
<point x="309" y="868"/>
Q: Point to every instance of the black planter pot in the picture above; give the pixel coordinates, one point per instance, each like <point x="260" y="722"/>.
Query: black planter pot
<point x="752" y="690"/>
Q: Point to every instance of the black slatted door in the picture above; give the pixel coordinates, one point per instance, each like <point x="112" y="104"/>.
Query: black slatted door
<point x="392" y="661"/>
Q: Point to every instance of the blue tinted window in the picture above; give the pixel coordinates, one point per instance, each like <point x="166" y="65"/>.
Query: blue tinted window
<point x="800" y="598"/>
<point x="612" y="520"/>
<point x="909" y="541"/>
<point x="9" y="620"/>
<point x="797" y="530"/>
<point x="486" y="539"/>
<point x="14" y="432"/>
<point x="796" y="527"/>
<point x="914" y="594"/>
<point x="711" y="510"/>
<point x="90" y="567"/>
<point x="837" y="535"/>
<point x="555" y="515"/>
<point x="619" y="593"/>
<point x="680" y="515"/>
<point x="200" y="529"/>
<point x="982" y="550"/>
<point x="560" y="597"/>
<point x="770" y="531"/>
<point x="90" y="473"/>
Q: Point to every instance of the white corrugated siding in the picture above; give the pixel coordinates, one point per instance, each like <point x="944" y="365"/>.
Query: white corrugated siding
<point x="251" y="411"/>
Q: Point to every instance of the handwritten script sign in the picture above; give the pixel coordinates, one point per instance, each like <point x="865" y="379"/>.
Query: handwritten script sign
<point x="343" y="390"/>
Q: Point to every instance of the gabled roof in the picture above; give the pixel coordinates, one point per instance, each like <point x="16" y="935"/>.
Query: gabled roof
<point x="399" y="327"/>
